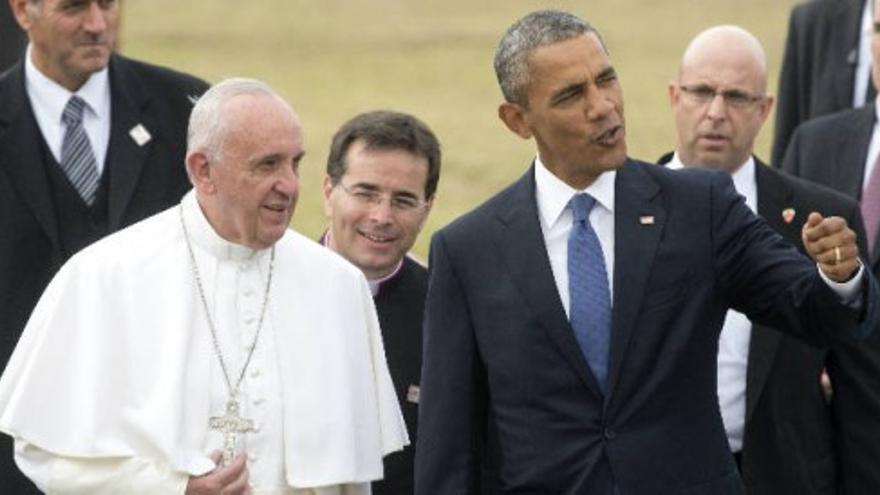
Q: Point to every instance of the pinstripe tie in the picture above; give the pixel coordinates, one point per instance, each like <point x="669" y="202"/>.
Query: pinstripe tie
<point x="589" y="298"/>
<point x="77" y="158"/>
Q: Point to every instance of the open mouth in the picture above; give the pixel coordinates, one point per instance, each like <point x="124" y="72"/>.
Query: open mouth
<point x="377" y="238"/>
<point x="610" y="136"/>
<point x="276" y="208"/>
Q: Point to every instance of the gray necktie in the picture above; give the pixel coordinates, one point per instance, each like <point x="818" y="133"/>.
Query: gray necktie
<point x="77" y="158"/>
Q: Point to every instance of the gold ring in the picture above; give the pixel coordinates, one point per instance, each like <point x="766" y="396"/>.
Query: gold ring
<point x="836" y="254"/>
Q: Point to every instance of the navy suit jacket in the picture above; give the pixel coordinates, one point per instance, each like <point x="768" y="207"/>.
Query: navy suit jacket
<point x="501" y="361"/>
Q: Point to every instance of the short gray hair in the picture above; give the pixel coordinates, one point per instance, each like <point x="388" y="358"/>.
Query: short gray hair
<point x="207" y="123"/>
<point x="540" y="28"/>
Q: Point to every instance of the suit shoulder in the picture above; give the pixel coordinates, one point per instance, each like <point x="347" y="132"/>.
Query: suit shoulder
<point x="477" y="219"/>
<point x="830" y="122"/>
<point x="817" y="194"/>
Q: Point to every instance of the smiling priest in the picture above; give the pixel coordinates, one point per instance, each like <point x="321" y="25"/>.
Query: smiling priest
<point x="209" y="348"/>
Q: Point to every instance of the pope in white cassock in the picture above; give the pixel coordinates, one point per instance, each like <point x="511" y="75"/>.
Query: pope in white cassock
<point x="209" y="348"/>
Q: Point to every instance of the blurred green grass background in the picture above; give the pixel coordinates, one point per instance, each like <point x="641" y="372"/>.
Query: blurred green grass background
<point x="334" y="58"/>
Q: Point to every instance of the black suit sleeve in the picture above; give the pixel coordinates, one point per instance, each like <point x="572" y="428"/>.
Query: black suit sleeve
<point x="453" y="391"/>
<point x="766" y="278"/>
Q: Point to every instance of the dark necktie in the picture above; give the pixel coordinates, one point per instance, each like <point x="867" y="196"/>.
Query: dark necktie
<point x="589" y="297"/>
<point x="871" y="207"/>
<point x="77" y="158"/>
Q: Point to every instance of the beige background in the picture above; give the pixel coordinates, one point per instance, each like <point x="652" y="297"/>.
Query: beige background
<point x="334" y="58"/>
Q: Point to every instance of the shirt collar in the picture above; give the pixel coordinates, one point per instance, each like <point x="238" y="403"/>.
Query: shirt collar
<point x="553" y="194"/>
<point x="95" y="91"/>
<point x="743" y="178"/>
<point x="375" y="284"/>
<point x="203" y="234"/>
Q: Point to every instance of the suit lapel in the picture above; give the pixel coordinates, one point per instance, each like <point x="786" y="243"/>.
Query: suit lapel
<point x="636" y="238"/>
<point x="21" y="157"/>
<point x="774" y="197"/>
<point x="522" y="245"/>
<point x="125" y="156"/>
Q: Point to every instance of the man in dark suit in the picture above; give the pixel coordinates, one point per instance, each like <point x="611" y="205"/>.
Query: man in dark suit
<point x="785" y="435"/>
<point x="611" y="390"/>
<point x="825" y="67"/>
<point x="841" y="151"/>
<point x="382" y="173"/>
<point x="132" y="122"/>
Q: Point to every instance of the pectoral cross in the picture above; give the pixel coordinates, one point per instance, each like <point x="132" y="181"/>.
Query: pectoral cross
<point x="231" y="424"/>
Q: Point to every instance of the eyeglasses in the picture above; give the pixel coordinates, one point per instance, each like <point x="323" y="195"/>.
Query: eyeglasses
<point x="733" y="98"/>
<point x="399" y="202"/>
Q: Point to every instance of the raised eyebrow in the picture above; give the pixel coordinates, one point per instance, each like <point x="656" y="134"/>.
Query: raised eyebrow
<point x="606" y="73"/>
<point x="571" y="89"/>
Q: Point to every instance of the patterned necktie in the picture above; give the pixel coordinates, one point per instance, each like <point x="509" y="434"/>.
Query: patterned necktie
<point x="589" y="298"/>
<point x="871" y="207"/>
<point x="77" y="158"/>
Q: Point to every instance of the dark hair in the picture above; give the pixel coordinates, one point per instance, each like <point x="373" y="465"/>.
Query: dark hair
<point x="537" y="29"/>
<point x="386" y="130"/>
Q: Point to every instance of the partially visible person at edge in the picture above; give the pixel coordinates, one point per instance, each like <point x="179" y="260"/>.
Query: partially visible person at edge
<point x="90" y="142"/>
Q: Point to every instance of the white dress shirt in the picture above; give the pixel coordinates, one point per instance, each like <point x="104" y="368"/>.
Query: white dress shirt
<point x="48" y="99"/>
<point x="552" y="196"/>
<point x="863" y="61"/>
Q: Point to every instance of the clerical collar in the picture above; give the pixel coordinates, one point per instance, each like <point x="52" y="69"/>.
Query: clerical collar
<point x="203" y="234"/>
<point x="375" y="284"/>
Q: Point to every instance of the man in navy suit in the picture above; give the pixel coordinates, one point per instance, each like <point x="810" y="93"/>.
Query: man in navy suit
<point x="134" y="116"/>
<point x="611" y="390"/>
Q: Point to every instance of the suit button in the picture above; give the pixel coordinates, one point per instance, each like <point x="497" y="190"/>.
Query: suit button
<point x="609" y="434"/>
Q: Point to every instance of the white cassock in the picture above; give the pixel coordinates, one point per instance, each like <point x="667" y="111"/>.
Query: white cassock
<point x="113" y="382"/>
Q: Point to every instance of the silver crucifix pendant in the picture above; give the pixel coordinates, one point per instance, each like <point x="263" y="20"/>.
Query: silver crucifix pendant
<point x="230" y="424"/>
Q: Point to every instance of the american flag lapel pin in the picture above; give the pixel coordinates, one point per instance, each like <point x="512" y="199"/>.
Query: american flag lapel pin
<point x="646" y="219"/>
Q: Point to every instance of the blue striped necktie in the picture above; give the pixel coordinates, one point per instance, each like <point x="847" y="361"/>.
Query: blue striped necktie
<point x="77" y="158"/>
<point x="589" y="297"/>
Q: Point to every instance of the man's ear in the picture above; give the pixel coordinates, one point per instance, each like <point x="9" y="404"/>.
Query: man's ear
<point x="513" y="116"/>
<point x="674" y="95"/>
<point x="199" y="170"/>
<point x="327" y="191"/>
<point x="765" y="108"/>
<point x="19" y="10"/>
